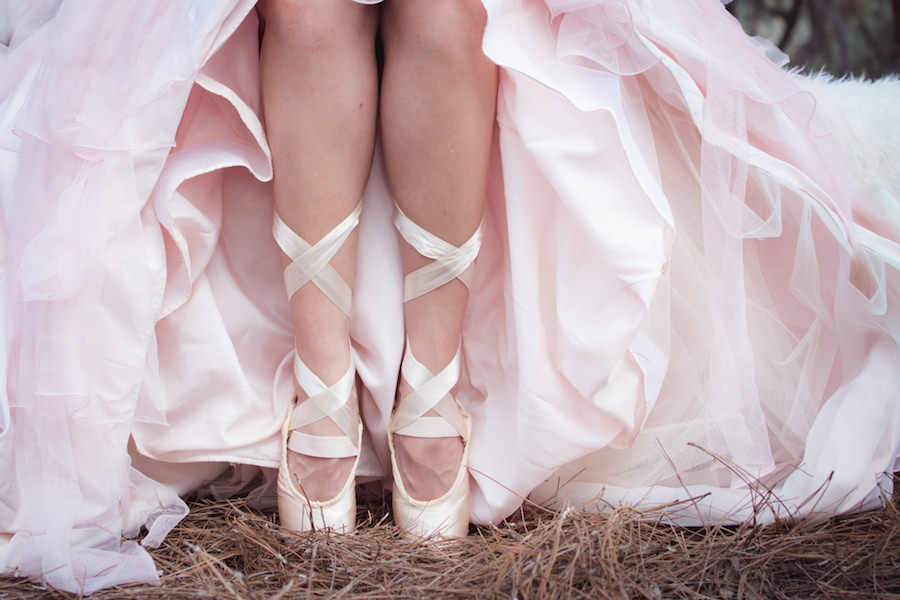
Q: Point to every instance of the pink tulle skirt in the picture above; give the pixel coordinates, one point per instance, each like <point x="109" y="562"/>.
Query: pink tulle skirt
<point x="682" y="290"/>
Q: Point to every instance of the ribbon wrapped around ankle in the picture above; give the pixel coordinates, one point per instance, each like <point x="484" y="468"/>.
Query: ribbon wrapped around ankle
<point x="430" y="392"/>
<point x="450" y="262"/>
<point x="311" y="263"/>
<point x="324" y="402"/>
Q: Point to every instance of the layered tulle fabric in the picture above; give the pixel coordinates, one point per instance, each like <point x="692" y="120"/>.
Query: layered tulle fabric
<point x="746" y="278"/>
<point x="91" y="101"/>
<point x="681" y="293"/>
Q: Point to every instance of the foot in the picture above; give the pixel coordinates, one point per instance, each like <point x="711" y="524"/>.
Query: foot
<point x="321" y="479"/>
<point x="428" y="466"/>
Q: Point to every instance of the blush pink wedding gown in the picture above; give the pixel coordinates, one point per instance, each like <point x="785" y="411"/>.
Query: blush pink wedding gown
<point x="682" y="291"/>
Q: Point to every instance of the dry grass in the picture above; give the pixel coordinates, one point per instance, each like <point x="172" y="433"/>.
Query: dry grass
<point x="227" y="550"/>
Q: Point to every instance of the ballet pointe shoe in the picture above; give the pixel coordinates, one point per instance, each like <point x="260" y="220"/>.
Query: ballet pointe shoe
<point x="430" y="410"/>
<point x="297" y="512"/>
<point x="445" y="517"/>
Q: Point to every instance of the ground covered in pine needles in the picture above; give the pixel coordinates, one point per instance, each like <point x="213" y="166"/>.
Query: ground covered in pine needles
<point x="228" y="550"/>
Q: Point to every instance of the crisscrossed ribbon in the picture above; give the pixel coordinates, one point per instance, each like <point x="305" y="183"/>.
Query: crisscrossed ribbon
<point x="311" y="263"/>
<point x="432" y="392"/>
<point x="324" y="401"/>
<point x="449" y="262"/>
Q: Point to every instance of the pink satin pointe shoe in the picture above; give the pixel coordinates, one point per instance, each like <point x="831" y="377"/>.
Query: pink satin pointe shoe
<point x="296" y="510"/>
<point x="445" y="517"/>
<point x="335" y="402"/>
<point x="430" y="410"/>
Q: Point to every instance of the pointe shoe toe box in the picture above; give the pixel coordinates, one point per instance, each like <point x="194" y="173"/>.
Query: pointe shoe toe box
<point x="443" y="518"/>
<point x="298" y="513"/>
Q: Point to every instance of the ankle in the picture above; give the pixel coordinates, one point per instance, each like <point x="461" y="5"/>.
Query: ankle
<point x="434" y="353"/>
<point x="328" y="360"/>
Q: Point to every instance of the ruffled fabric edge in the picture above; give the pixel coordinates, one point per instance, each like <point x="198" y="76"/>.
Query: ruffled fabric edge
<point x="84" y="274"/>
<point x="748" y="180"/>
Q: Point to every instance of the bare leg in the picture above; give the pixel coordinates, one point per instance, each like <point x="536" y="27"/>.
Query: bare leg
<point x="320" y="86"/>
<point x="437" y="114"/>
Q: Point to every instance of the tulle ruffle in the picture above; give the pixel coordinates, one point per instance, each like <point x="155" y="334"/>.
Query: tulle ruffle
<point x="91" y="99"/>
<point x="767" y="299"/>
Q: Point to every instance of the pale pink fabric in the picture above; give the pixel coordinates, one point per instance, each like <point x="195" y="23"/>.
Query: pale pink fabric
<point x="675" y="276"/>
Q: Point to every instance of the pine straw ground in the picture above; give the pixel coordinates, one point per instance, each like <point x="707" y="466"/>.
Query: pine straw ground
<point x="227" y="550"/>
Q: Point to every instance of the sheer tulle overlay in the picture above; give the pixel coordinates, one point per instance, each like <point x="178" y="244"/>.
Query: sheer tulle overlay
<point x="682" y="292"/>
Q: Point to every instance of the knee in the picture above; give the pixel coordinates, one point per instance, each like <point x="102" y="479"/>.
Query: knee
<point x="307" y="25"/>
<point x="446" y="31"/>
